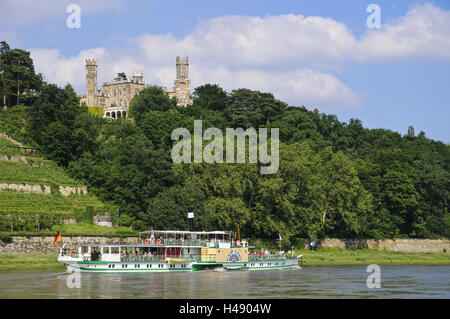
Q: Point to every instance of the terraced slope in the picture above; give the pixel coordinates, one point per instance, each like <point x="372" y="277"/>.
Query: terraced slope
<point x="36" y="194"/>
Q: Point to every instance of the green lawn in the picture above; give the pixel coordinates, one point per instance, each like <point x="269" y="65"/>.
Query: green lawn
<point x="335" y="256"/>
<point x="10" y="262"/>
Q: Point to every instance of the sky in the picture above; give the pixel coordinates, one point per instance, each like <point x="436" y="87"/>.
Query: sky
<point x="321" y="54"/>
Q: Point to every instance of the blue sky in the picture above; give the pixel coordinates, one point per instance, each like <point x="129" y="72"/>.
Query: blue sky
<point x="317" y="53"/>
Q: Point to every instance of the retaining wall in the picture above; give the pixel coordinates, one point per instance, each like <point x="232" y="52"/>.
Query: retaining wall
<point x="404" y="245"/>
<point x="43" y="244"/>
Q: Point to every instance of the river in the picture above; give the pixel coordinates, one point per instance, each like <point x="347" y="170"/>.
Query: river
<point x="306" y="282"/>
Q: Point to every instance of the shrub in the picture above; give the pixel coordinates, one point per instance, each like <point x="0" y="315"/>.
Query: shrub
<point x="5" y="238"/>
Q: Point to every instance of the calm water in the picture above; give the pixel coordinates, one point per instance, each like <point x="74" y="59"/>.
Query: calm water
<point x="306" y="282"/>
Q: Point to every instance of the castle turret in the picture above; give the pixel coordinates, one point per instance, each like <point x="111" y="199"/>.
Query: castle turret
<point x="182" y="82"/>
<point x="138" y="77"/>
<point x="91" y="82"/>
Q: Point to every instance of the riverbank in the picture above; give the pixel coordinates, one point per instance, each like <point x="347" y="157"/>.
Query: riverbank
<point x="321" y="257"/>
<point x="341" y="256"/>
<point x="19" y="262"/>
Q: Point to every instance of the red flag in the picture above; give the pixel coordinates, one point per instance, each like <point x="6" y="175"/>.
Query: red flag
<point x="57" y="238"/>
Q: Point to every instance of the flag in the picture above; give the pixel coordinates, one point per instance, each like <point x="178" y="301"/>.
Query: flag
<point x="57" y="238"/>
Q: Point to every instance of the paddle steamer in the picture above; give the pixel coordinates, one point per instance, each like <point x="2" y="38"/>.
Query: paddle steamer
<point x="173" y="251"/>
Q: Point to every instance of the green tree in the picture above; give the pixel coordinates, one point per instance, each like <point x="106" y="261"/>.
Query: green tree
<point x="338" y="195"/>
<point x="17" y="75"/>
<point x="210" y="96"/>
<point x="248" y="108"/>
<point x="158" y="125"/>
<point x="63" y="129"/>
<point x="152" y="98"/>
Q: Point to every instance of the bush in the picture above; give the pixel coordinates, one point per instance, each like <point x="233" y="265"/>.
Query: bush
<point x="299" y="243"/>
<point x="5" y="238"/>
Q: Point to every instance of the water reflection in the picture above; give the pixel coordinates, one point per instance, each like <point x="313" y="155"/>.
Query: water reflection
<point x="307" y="282"/>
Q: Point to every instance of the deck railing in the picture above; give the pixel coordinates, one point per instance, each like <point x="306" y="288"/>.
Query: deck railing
<point x="271" y="257"/>
<point x="155" y="258"/>
<point x="186" y="242"/>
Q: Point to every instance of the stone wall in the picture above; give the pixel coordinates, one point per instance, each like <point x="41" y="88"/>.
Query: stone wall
<point x="404" y="245"/>
<point x="45" y="189"/>
<point x="14" y="158"/>
<point x="27" y="188"/>
<point x="43" y="244"/>
<point x="67" y="190"/>
<point x="103" y="220"/>
<point x="22" y="159"/>
<point x="7" y="137"/>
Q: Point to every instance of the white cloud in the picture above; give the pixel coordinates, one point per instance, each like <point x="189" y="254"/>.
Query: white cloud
<point x="254" y="41"/>
<point x="424" y="32"/>
<point x="290" y="55"/>
<point x="297" y="86"/>
<point x="61" y="70"/>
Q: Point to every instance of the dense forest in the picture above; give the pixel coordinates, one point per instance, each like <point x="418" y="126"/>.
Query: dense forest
<point x="335" y="179"/>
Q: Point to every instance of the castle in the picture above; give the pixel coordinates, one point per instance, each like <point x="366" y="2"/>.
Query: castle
<point x="115" y="97"/>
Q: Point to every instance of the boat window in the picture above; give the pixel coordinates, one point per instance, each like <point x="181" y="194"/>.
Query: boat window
<point x="84" y="249"/>
<point x="114" y="250"/>
<point x="106" y="250"/>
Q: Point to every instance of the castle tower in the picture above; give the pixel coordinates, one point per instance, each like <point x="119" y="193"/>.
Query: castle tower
<point x="182" y="82"/>
<point x="138" y="77"/>
<point x="91" y="82"/>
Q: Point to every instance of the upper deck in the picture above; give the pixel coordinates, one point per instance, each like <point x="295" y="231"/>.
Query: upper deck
<point x="179" y="238"/>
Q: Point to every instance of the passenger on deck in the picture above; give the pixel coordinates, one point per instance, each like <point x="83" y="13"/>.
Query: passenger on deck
<point x="152" y="238"/>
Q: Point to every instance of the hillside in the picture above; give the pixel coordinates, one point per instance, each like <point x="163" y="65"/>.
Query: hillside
<point x="38" y="196"/>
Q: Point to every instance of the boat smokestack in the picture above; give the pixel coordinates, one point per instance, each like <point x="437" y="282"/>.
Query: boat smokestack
<point x="191" y="220"/>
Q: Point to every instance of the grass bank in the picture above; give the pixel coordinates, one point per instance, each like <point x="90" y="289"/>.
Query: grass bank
<point x="14" y="262"/>
<point x="336" y="256"/>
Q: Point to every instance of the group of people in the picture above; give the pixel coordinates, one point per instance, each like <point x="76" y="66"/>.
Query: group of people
<point x="135" y="254"/>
